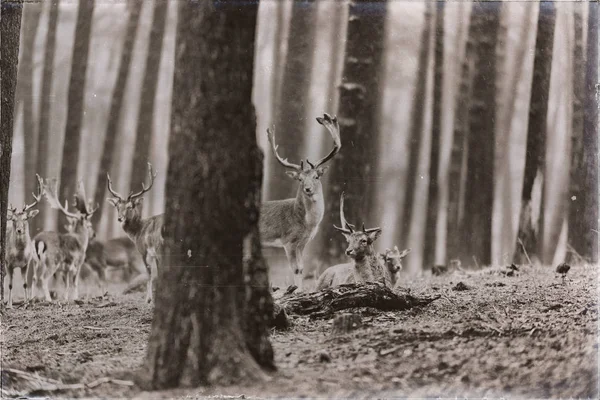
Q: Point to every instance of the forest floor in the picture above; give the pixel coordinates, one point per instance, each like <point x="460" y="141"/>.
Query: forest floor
<point x="496" y="335"/>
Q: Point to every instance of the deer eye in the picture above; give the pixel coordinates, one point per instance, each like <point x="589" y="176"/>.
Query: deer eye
<point x="363" y="241"/>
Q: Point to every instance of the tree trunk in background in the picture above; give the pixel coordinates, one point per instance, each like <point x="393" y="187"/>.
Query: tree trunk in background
<point x="277" y="58"/>
<point x="590" y="138"/>
<point x="10" y="29"/>
<point x="531" y="232"/>
<point x="436" y="132"/>
<point x="479" y="195"/>
<point x="576" y="216"/>
<point x="43" y="145"/>
<point x="24" y="94"/>
<point x="290" y="111"/>
<point x="353" y="168"/>
<point x="75" y="101"/>
<point x="211" y="232"/>
<point x="116" y="104"/>
<point x="416" y="129"/>
<point x="143" y="138"/>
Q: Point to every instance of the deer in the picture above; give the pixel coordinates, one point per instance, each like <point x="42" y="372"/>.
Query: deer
<point x="19" y="245"/>
<point x="145" y="233"/>
<point x="366" y="265"/>
<point x="292" y="223"/>
<point x="392" y="259"/>
<point x="62" y="253"/>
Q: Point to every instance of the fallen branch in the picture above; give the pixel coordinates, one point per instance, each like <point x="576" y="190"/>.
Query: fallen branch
<point x="325" y="302"/>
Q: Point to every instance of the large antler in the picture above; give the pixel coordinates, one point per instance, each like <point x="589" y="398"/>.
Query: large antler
<point x="83" y="206"/>
<point x="110" y="189"/>
<point x="37" y="198"/>
<point x="348" y="227"/>
<point x="282" y="161"/>
<point x="51" y="192"/>
<point x="144" y="188"/>
<point x="331" y="123"/>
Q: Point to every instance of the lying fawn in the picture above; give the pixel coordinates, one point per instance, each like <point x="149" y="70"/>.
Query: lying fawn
<point x="62" y="253"/>
<point x="145" y="233"/>
<point x="366" y="265"/>
<point x="18" y="244"/>
<point x="292" y="223"/>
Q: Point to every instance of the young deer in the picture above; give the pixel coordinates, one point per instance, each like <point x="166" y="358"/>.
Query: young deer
<point x="366" y="265"/>
<point x="18" y="244"/>
<point x="145" y="233"/>
<point x="393" y="262"/>
<point x="62" y="253"/>
<point x="292" y="223"/>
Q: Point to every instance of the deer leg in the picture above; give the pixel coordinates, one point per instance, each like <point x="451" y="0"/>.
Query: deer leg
<point x="291" y="252"/>
<point x="11" y="273"/>
<point x="67" y="285"/>
<point x="24" y="278"/>
<point x="148" y="261"/>
<point x="46" y="289"/>
<point x="75" y="278"/>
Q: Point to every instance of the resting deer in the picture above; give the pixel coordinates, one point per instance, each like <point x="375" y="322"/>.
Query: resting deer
<point x="393" y="262"/>
<point x="292" y="223"/>
<point x="366" y="266"/>
<point x="63" y="253"/>
<point x="145" y="233"/>
<point x="18" y="244"/>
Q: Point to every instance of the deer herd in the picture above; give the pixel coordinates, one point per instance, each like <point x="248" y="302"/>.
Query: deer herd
<point x="289" y="223"/>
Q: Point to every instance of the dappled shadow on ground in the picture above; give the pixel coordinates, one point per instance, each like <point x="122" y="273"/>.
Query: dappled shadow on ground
<point x="525" y="334"/>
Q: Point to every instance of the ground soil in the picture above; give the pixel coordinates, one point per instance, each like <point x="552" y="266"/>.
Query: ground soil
<point x="496" y="334"/>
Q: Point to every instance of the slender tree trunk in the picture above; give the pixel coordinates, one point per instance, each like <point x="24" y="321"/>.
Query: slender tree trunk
<point x="75" y="101"/>
<point x="590" y="137"/>
<point x="479" y="195"/>
<point x="24" y="94"/>
<point x="143" y="138"/>
<point x="277" y="58"/>
<point x="530" y="232"/>
<point x="290" y="116"/>
<point x="210" y="231"/>
<point x="116" y="104"/>
<point x="416" y="128"/>
<point x="353" y="169"/>
<point x="10" y="27"/>
<point x="436" y="132"/>
<point x="43" y="145"/>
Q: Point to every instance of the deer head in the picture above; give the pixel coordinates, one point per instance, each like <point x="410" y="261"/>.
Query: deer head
<point x="19" y="219"/>
<point x="360" y="243"/>
<point x="130" y="208"/>
<point x="393" y="259"/>
<point x="309" y="174"/>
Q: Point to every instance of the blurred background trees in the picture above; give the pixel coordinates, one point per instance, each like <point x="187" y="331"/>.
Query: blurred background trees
<point x="439" y="108"/>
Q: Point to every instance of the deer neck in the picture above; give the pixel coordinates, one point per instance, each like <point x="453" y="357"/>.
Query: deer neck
<point x="82" y="234"/>
<point x="312" y="209"/>
<point x="133" y="227"/>
<point x="364" y="267"/>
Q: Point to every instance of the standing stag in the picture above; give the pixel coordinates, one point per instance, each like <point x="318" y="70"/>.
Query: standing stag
<point x="18" y="244"/>
<point x="145" y="233"/>
<point x="62" y="253"/>
<point x="292" y="223"/>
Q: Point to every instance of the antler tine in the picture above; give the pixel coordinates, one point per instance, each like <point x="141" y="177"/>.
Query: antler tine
<point x="110" y="188"/>
<point x="371" y="230"/>
<point x="51" y="193"/>
<point x="37" y="198"/>
<point x="331" y="123"/>
<point x="282" y="161"/>
<point x="152" y="175"/>
<point x="348" y="227"/>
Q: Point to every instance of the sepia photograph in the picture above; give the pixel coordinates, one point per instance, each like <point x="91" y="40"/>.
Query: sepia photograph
<point x="342" y="199"/>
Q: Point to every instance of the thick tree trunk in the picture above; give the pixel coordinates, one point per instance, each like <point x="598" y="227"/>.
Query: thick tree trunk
<point x="116" y="104"/>
<point x="75" y="101"/>
<point x="10" y="27"/>
<point x="43" y="145"/>
<point x="290" y="116"/>
<point x="416" y="129"/>
<point x="353" y="169"/>
<point x="210" y="230"/>
<point x="590" y="137"/>
<point x="436" y="133"/>
<point x="479" y="194"/>
<point x="143" y="138"/>
<point x="24" y="94"/>
<point x="530" y="232"/>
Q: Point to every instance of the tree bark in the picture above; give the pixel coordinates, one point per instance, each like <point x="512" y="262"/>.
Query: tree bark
<point x="436" y="133"/>
<point x="290" y="116"/>
<point x="10" y="27"/>
<point x="143" y="138"/>
<point x="590" y="137"/>
<point x="277" y="59"/>
<point x="75" y="101"/>
<point x="483" y="30"/>
<point x="530" y="232"/>
<point x="24" y="94"/>
<point x="416" y="129"/>
<point x="353" y="169"/>
<point x="43" y="146"/>
<point x="116" y="105"/>
<point x="210" y="323"/>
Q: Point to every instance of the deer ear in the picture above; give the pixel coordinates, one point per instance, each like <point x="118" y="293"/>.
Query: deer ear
<point x="292" y="174"/>
<point x="32" y="213"/>
<point x="112" y="201"/>
<point x="373" y="236"/>
<point x="321" y="170"/>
